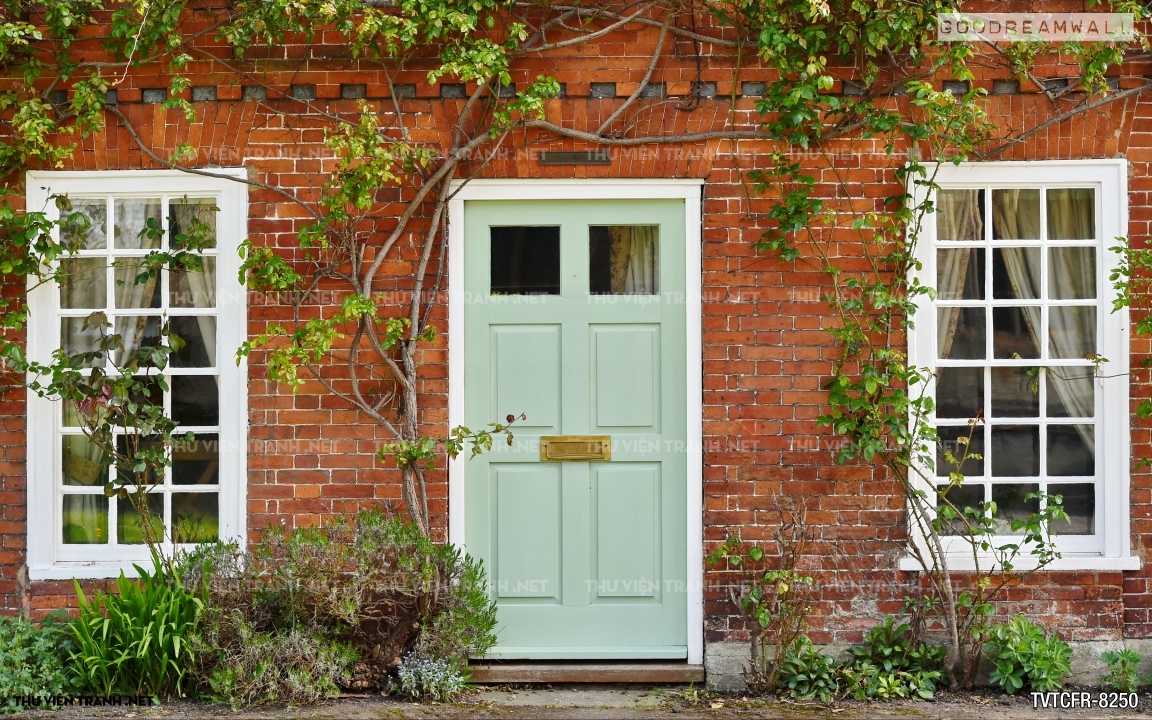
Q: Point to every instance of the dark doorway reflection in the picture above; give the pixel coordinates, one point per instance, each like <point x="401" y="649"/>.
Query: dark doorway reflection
<point x="525" y="261"/>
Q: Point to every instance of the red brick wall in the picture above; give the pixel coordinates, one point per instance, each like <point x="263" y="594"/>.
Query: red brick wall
<point x="765" y="350"/>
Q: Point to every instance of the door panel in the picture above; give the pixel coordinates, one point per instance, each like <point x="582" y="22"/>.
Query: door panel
<point x="526" y="369"/>
<point x="627" y="379"/>
<point x="528" y="531"/>
<point x="627" y="530"/>
<point x="588" y="559"/>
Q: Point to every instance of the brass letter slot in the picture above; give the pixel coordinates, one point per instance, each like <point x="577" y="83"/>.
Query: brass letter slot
<point x="555" y="448"/>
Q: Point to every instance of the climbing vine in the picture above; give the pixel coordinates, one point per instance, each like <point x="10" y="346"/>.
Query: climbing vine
<point x="366" y="351"/>
<point x="877" y="399"/>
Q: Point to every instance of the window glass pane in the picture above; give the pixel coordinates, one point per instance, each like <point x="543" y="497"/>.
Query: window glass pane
<point x="960" y="274"/>
<point x="1071" y="213"/>
<point x="132" y="446"/>
<point x="84" y="463"/>
<point x="83" y="284"/>
<point x="1071" y="450"/>
<point x="85" y="520"/>
<point x="1012" y="504"/>
<point x="959" y="392"/>
<point x="71" y="415"/>
<point x="1016" y="273"/>
<point x="137" y="224"/>
<point x="961" y="497"/>
<point x="1016" y="214"/>
<point x="132" y="290"/>
<point x="192" y="223"/>
<point x="197" y="462"/>
<point x="525" y="261"/>
<point x="1080" y="506"/>
<point x="951" y="441"/>
<point x="75" y="339"/>
<point x="135" y="331"/>
<point x="960" y="215"/>
<point x="195" y="517"/>
<point x="1072" y="332"/>
<point x="1013" y="394"/>
<point x="960" y="333"/>
<point x="199" y="336"/>
<point x="150" y="390"/>
<point x="129" y="524"/>
<point x="1014" y="332"/>
<point x="193" y="289"/>
<point x="1071" y="391"/>
<point x="196" y="399"/>
<point x="1072" y="273"/>
<point x="1015" y="450"/>
<point x="624" y="260"/>
<point x="86" y="228"/>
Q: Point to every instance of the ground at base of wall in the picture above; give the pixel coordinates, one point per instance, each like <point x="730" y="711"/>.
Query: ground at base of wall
<point x="725" y="662"/>
<point x="623" y="701"/>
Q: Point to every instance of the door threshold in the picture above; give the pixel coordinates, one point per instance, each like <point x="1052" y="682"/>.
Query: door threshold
<point x="489" y="672"/>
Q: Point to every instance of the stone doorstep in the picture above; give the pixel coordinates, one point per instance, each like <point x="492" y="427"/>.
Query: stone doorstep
<point x="492" y="673"/>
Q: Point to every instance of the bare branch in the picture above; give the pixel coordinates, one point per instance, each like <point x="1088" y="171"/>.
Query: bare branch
<point x="193" y="171"/>
<point x="1112" y="97"/>
<point x="652" y="140"/>
<point x="593" y="35"/>
<point x="586" y="11"/>
<point x="643" y="83"/>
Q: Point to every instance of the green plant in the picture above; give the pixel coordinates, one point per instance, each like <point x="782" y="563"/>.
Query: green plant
<point x="429" y="678"/>
<point x="773" y="593"/>
<point x="1123" y="670"/>
<point x="894" y="663"/>
<point x="371" y="585"/>
<point x="1024" y="654"/>
<point x="136" y="641"/>
<point x="33" y="661"/>
<point x="289" y="666"/>
<point x="805" y="672"/>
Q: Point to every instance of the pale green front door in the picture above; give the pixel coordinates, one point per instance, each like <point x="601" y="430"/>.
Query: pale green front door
<point x="575" y="316"/>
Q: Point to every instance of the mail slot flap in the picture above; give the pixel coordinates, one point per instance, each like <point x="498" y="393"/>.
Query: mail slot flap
<point x="554" y="448"/>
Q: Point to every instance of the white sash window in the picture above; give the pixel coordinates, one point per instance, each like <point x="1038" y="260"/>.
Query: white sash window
<point x="74" y="530"/>
<point x="1022" y="335"/>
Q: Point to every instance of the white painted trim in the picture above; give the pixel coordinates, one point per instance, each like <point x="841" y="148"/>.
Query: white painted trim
<point x="1068" y="562"/>
<point x="44" y="555"/>
<point x="1111" y="177"/>
<point x="688" y="190"/>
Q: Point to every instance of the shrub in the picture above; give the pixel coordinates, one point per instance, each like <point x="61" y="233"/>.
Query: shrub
<point x="1123" y="674"/>
<point x="33" y="661"/>
<point x="372" y="586"/>
<point x="893" y="663"/>
<point x="805" y="672"/>
<point x="1023" y="654"/>
<point x="290" y="666"/>
<point x="431" y="678"/>
<point x="136" y="642"/>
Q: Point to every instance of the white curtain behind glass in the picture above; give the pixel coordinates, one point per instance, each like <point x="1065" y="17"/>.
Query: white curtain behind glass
<point x="196" y="289"/>
<point x="634" y="259"/>
<point x="1024" y="274"/>
<point x="958" y="218"/>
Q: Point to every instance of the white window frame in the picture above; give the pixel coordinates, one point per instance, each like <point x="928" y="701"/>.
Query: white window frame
<point x="48" y="558"/>
<point x="1112" y="550"/>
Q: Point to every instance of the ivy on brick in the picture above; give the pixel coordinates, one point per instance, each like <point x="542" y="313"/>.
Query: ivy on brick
<point x="367" y="351"/>
<point x="877" y="402"/>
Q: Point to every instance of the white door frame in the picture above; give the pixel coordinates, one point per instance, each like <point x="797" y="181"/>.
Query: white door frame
<point x="536" y="189"/>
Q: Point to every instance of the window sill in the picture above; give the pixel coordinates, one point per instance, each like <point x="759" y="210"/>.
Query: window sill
<point x="85" y="570"/>
<point x="1068" y="562"/>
